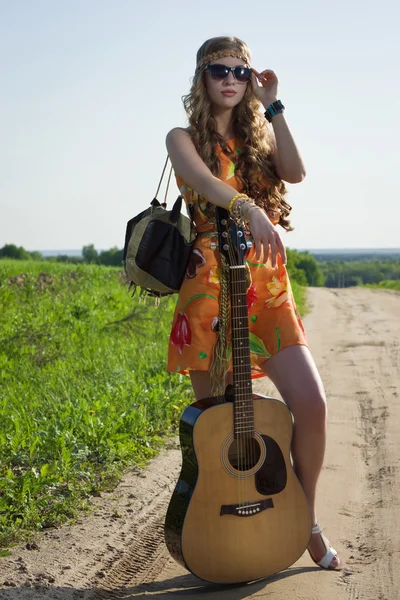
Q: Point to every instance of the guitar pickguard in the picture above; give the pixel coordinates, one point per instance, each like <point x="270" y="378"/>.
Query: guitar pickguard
<point x="271" y="478"/>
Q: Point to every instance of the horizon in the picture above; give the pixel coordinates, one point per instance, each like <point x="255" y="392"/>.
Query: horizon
<point x="382" y="250"/>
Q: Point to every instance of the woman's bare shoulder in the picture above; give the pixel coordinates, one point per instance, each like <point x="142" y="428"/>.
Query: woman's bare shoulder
<point x="179" y="133"/>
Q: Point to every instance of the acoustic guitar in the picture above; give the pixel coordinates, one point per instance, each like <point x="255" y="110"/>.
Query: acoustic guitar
<point x="238" y="512"/>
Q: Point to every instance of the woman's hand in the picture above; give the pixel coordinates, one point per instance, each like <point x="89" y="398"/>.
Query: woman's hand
<point x="267" y="92"/>
<point x="264" y="233"/>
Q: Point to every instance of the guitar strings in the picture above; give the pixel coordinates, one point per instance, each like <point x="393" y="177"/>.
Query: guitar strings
<point x="244" y="443"/>
<point x="236" y="406"/>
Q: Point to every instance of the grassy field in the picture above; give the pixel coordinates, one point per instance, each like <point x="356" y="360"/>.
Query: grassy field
<point x="83" y="391"/>
<point x="83" y="388"/>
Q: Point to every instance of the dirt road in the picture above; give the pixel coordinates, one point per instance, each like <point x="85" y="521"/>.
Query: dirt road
<point x="118" y="552"/>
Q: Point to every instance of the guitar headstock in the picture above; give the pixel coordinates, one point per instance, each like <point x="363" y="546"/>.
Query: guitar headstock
<point x="231" y="239"/>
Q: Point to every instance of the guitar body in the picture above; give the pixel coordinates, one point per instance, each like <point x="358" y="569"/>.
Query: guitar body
<point x="232" y="520"/>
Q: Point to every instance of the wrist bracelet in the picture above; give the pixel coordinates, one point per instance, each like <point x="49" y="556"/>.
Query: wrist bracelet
<point x="237" y="209"/>
<point x="236" y="197"/>
<point x="273" y="109"/>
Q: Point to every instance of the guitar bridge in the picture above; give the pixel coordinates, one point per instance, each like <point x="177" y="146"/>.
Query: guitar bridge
<point x="246" y="510"/>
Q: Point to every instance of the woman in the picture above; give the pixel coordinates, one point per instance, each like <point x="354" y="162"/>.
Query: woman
<point x="230" y="147"/>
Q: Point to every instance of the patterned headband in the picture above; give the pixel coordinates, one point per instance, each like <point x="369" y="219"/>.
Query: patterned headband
<point x="214" y="55"/>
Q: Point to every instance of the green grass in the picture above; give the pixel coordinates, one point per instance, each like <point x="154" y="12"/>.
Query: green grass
<point x="83" y="393"/>
<point x="388" y="284"/>
<point x="300" y="296"/>
<point x="83" y="389"/>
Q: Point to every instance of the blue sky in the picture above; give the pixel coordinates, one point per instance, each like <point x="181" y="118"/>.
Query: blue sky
<point x="90" y="89"/>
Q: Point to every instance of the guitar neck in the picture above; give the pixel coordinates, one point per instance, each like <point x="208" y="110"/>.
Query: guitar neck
<point x="243" y="405"/>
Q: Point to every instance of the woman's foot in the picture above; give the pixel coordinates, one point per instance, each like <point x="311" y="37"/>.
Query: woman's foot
<point x="322" y="552"/>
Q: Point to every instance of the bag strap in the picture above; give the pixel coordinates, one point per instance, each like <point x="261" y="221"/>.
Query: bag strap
<point x="164" y="204"/>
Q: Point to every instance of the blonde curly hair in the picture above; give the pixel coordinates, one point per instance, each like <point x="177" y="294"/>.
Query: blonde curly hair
<point x="248" y="124"/>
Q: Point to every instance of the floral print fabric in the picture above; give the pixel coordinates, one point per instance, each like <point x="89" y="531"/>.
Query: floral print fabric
<point x="274" y="322"/>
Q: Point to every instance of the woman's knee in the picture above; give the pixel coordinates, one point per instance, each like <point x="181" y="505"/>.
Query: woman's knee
<point x="294" y="373"/>
<point x="308" y="405"/>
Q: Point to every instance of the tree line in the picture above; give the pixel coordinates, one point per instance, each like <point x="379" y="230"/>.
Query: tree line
<point x="111" y="257"/>
<point x="302" y="267"/>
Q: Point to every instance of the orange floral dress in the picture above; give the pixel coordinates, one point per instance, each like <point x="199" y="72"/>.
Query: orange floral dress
<point x="274" y="321"/>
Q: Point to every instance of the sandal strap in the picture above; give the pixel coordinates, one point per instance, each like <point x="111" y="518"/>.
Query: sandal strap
<point x="327" y="559"/>
<point x="316" y="528"/>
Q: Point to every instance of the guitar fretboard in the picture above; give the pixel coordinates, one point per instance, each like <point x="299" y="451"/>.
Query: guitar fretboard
<point x="243" y="406"/>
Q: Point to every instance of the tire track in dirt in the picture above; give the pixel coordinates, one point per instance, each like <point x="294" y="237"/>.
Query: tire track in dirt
<point x="145" y="556"/>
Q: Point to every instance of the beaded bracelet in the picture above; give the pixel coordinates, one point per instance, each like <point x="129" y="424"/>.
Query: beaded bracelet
<point x="236" y="197"/>
<point x="237" y="209"/>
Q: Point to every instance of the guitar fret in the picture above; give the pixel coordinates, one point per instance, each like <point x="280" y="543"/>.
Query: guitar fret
<point x="245" y="416"/>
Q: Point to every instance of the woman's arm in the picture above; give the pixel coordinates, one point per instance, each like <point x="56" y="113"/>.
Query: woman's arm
<point x="286" y="155"/>
<point x="188" y="165"/>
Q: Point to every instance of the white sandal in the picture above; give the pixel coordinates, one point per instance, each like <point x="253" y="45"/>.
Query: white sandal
<point x="330" y="552"/>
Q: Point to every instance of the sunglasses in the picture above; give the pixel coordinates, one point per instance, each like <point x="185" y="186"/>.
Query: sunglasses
<point x="220" y="72"/>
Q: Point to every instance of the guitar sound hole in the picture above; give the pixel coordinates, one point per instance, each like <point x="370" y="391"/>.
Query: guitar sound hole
<point x="244" y="454"/>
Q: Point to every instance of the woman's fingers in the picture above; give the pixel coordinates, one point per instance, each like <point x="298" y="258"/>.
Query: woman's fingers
<point x="281" y="250"/>
<point x="257" y="243"/>
<point x="266" y="240"/>
<point x="273" y="253"/>
<point x="266" y="243"/>
<point x="254" y="82"/>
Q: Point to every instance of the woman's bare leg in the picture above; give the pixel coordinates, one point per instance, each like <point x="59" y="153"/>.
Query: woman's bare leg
<point x="294" y="373"/>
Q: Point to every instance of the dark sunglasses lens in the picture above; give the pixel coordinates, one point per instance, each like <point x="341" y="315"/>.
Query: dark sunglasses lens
<point x="218" y="72"/>
<point x="242" y="74"/>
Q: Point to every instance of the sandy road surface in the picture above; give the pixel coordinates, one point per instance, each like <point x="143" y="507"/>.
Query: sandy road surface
<point x="118" y="551"/>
